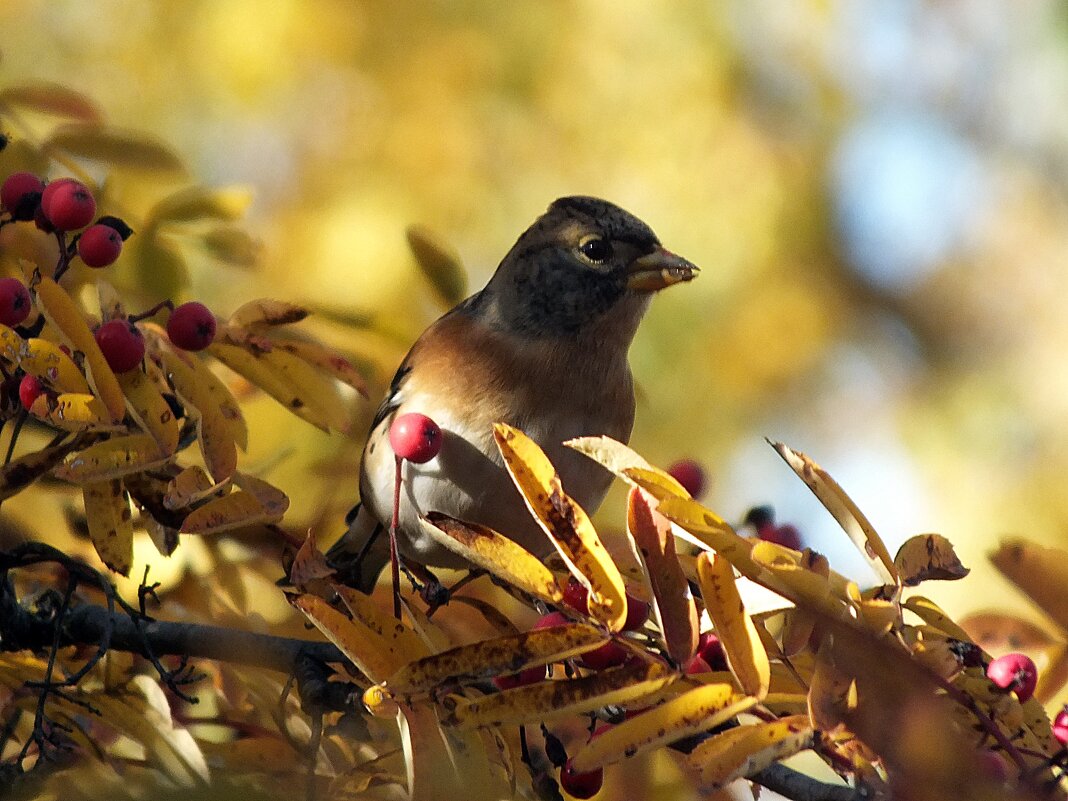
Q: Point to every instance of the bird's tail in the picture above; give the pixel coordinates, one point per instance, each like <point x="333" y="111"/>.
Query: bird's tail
<point x="361" y="552"/>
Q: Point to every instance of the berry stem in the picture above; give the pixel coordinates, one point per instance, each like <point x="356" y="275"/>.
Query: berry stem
<point x="64" y="256"/>
<point x="394" y="558"/>
<point x="134" y="318"/>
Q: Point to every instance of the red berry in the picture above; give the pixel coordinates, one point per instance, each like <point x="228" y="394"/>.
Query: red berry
<point x="415" y="437"/>
<point x="1060" y="726"/>
<point x="68" y="204"/>
<point x="30" y="388"/>
<point x="122" y="345"/>
<point x="576" y="595"/>
<point x="696" y="665"/>
<point x="1015" y="672"/>
<point x="637" y="613"/>
<point x="785" y="535"/>
<point x="609" y="655"/>
<point x="100" y="245"/>
<point x="521" y="679"/>
<point x="690" y="474"/>
<point x="20" y="194"/>
<point x="15" y="302"/>
<point x="192" y="327"/>
<point x="581" y="785"/>
<point x="710" y="649"/>
<point x="551" y="619"/>
<point x="993" y="765"/>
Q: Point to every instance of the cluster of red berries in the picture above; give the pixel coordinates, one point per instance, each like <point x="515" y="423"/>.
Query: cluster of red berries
<point x="68" y="205"/>
<point x="762" y="520"/>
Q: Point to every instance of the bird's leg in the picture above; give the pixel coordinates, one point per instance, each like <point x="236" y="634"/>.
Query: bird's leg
<point x="394" y="557"/>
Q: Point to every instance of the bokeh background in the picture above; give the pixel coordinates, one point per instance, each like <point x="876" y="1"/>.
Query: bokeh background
<point x="876" y="192"/>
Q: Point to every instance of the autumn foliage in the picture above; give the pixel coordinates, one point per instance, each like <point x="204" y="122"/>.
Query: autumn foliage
<point x="721" y="652"/>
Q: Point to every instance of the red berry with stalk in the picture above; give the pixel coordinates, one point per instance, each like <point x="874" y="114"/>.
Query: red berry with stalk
<point x="99" y="245"/>
<point x="1014" y="672"/>
<point x="418" y="439"/>
<point x="122" y="345"/>
<point x="690" y="474"/>
<point x="68" y="204"/>
<point x="20" y="195"/>
<point x="581" y="785"/>
<point x="15" y="303"/>
<point x="1060" y="726"/>
<point x="30" y="389"/>
<point x="191" y="326"/>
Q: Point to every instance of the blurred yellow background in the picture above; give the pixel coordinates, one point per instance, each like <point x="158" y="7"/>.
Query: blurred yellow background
<point x="876" y="192"/>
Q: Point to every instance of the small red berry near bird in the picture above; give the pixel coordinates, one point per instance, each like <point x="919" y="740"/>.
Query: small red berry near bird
<point x="122" y="345"/>
<point x="581" y="785"/>
<point x="785" y="535"/>
<point x="1060" y="726"/>
<point x="30" y="389"/>
<point x="690" y="474"/>
<point x="191" y="326"/>
<point x="415" y="437"/>
<point x="68" y="204"/>
<point x="1014" y="672"/>
<point x="609" y="655"/>
<point x="637" y="613"/>
<point x="577" y="596"/>
<point x="99" y="246"/>
<point x="710" y="649"/>
<point x="550" y="619"/>
<point x="20" y="195"/>
<point x="15" y="303"/>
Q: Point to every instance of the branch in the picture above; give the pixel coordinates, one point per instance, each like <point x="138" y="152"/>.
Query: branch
<point x="798" y="786"/>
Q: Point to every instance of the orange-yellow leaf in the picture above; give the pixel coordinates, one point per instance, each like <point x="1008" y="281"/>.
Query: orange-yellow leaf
<point x="10" y="344"/>
<point x="627" y="464"/>
<point x="45" y="360"/>
<point x="675" y="609"/>
<point x="842" y="509"/>
<point x="926" y="557"/>
<point x="273" y="500"/>
<point x="1038" y="570"/>
<point x="693" y="712"/>
<point x="73" y="412"/>
<point x="265" y="313"/>
<point x="395" y="639"/>
<point x="188" y="487"/>
<point x="745" y="652"/>
<point x="567" y="525"/>
<point x="482" y="660"/>
<point x="112" y="458"/>
<point x="325" y="360"/>
<point x="236" y="510"/>
<point x="495" y="553"/>
<point x="107" y="513"/>
<point x="150" y="409"/>
<point x="551" y="700"/>
<point x="931" y="614"/>
<point x="746" y="750"/>
<point x="357" y="642"/>
<point x="63" y="314"/>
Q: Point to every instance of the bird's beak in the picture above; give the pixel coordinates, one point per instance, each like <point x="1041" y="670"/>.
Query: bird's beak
<point x="659" y="269"/>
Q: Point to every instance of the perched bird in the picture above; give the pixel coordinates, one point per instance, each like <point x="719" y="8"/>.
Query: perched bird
<point x="543" y="347"/>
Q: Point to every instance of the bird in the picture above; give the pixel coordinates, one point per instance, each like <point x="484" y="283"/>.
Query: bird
<point x="542" y="347"/>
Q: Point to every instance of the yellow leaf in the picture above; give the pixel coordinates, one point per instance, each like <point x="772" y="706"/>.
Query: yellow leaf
<point x="10" y="344"/>
<point x="107" y="512"/>
<point x="674" y="607"/>
<point x="551" y="700"/>
<point x="627" y="464"/>
<point x="51" y="98"/>
<point x="236" y="510"/>
<point x="360" y="644"/>
<point x="746" y="750"/>
<point x="1039" y="571"/>
<point x="440" y="263"/>
<point x="929" y="612"/>
<point x="63" y="315"/>
<point x="567" y="525"/>
<point x="114" y="147"/>
<point x="693" y="712"/>
<point x="216" y="423"/>
<point x="495" y="553"/>
<point x="800" y="584"/>
<point x="799" y="624"/>
<point x="150" y="409"/>
<point x="273" y="500"/>
<point x="112" y="458"/>
<point x="188" y="487"/>
<point x="71" y="412"/>
<point x="842" y="509"/>
<point x="45" y="360"/>
<point x="926" y="557"/>
<point x="745" y="653"/>
<point x="482" y="660"/>
<point x="198" y="202"/>
<point x="264" y="313"/>
<point x="320" y="357"/>
<point x="395" y="639"/>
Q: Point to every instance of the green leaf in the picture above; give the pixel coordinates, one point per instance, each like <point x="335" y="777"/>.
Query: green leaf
<point x="161" y="268"/>
<point x="440" y="263"/>
<point x="232" y="245"/>
<point x="115" y="147"/>
<point x="198" y="203"/>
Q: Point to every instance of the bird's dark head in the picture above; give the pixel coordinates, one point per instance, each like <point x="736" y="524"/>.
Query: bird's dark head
<point x="584" y="263"/>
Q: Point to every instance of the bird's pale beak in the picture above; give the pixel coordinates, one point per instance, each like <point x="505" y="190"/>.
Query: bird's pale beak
<point x="659" y="269"/>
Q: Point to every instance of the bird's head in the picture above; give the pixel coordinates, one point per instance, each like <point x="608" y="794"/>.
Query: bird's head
<point x="584" y="264"/>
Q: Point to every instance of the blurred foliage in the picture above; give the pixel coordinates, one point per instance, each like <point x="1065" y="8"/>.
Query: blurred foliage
<point x="769" y="142"/>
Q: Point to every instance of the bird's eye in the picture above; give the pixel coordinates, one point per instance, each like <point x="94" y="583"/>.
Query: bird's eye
<point x="596" y="249"/>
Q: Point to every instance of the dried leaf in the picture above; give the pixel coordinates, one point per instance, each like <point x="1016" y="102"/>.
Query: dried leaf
<point x="309" y="564"/>
<point x="550" y="700"/>
<point x="841" y="506"/>
<point x="928" y="557"/>
<point x="675" y="609"/>
<point x="63" y="314"/>
<point x="567" y="525"/>
<point x="745" y="652"/>
<point x="440" y="263"/>
<point x="51" y="98"/>
<point x="504" y="558"/>
<point x="508" y="654"/>
<point x="114" y="147"/>
<point x="237" y="510"/>
<point x="19" y="473"/>
<point x="112" y="458"/>
<point x="1039" y="571"/>
<point x="107" y="513"/>
<point x="259" y="315"/>
<point x="188" y="487"/>
<point x="693" y="712"/>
